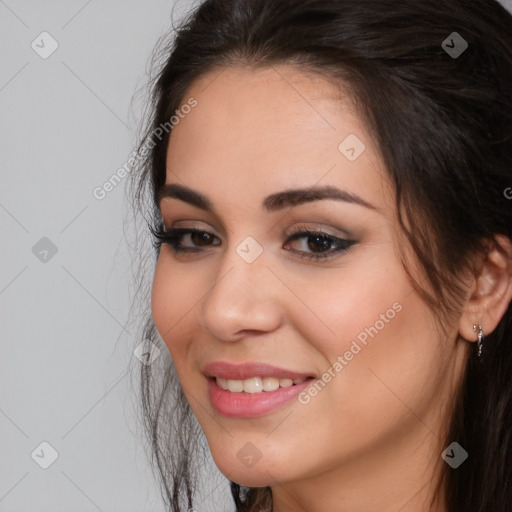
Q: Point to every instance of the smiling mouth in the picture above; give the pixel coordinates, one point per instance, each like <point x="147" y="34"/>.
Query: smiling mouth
<point x="257" y="384"/>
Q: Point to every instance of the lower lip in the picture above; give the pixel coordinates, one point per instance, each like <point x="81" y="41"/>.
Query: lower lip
<point x="251" y="405"/>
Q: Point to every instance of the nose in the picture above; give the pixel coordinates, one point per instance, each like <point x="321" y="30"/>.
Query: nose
<point x="243" y="300"/>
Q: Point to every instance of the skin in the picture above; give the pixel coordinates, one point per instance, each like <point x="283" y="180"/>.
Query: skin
<point x="372" y="438"/>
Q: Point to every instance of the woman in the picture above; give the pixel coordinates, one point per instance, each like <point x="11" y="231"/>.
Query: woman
<point x="327" y="186"/>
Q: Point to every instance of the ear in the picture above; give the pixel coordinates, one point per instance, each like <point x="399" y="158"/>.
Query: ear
<point x="490" y="289"/>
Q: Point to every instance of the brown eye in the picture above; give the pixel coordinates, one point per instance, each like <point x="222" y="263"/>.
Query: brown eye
<point x="184" y="240"/>
<point x="317" y="245"/>
<point x="201" y="238"/>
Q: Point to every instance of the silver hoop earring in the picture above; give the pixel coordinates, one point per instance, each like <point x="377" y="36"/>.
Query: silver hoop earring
<point x="480" y="340"/>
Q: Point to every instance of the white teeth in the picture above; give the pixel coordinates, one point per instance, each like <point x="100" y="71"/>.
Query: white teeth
<point x="285" y="383"/>
<point x="223" y="383"/>
<point x="256" y="384"/>
<point x="270" y="384"/>
<point x="235" y="386"/>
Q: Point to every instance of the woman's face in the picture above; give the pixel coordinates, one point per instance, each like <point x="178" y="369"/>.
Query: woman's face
<point x="245" y="307"/>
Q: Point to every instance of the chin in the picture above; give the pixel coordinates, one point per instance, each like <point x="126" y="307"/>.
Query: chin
<point x="251" y="477"/>
<point x="261" y="474"/>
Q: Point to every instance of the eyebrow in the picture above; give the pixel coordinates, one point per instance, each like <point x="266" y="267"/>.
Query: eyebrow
<point x="272" y="203"/>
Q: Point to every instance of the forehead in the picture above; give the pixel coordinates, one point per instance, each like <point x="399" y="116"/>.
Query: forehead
<point x="272" y="128"/>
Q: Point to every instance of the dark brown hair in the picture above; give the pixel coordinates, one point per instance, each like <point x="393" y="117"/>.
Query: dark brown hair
<point x="443" y="124"/>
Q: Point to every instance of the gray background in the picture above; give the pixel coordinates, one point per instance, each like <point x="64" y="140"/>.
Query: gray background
<point x="66" y="126"/>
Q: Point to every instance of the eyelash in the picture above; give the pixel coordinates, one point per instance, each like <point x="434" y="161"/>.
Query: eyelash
<point x="173" y="238"/>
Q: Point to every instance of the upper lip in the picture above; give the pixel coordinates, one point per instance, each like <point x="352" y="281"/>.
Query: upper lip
<point x="244" y="371"/>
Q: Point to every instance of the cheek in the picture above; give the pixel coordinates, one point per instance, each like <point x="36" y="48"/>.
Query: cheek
<point x="173" y="298"/>
<point x="381" y="350"/>
<point x="358" y="302"/>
